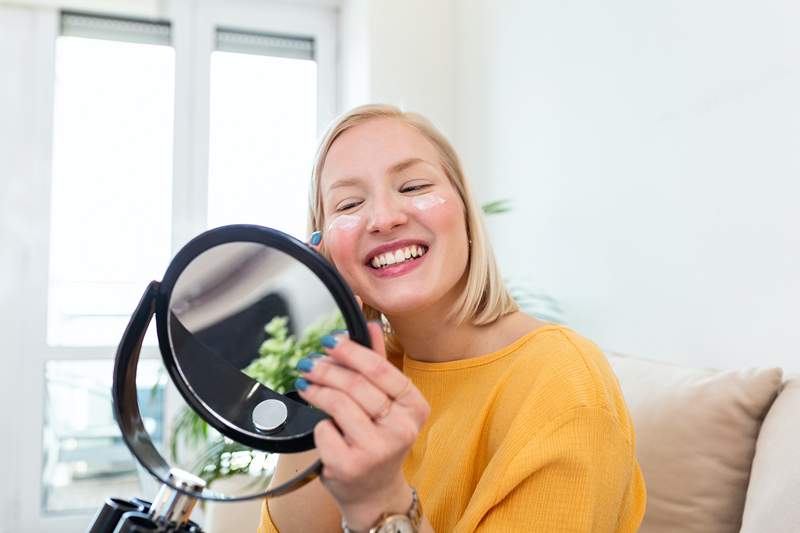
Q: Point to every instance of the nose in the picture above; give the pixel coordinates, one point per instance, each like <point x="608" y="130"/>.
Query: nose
<point x="386" y="213"/>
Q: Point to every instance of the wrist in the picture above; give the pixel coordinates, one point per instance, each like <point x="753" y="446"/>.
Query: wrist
<point x="363" y="516"/>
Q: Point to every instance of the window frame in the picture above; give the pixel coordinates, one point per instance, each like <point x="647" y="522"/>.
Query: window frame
<point x="193" y="24"/>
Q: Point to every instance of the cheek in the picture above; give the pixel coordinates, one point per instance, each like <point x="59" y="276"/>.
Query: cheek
<point x="440" y="213"/>
<point x="341" y="238"/>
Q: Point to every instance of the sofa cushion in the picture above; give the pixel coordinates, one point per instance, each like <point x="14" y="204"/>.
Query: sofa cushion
<point x="773" y="497"/>
<point x="696" y="433"/>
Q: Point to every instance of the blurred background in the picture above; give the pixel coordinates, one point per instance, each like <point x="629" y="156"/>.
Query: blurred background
<point x="650" y="153"/>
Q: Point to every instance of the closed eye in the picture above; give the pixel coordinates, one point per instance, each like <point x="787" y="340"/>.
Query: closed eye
<point x="347" y="205"/>
<point x="413" y="188"/>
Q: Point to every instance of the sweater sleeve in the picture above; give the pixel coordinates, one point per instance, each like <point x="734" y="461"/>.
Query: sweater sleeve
<point x="576" y="475"/>
<point x="266" y="525"/>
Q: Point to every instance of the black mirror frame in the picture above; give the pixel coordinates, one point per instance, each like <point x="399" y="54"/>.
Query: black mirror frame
<point x="156" y="301"/>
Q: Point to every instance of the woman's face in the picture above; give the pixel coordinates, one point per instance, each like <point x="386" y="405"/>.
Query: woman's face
<point x="394" y="224"/>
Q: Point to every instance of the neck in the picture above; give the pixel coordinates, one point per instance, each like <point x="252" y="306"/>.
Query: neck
<point x="426" y="337"/>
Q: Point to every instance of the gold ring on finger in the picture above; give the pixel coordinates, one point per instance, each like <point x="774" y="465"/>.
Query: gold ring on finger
<point x="402" y="392"/>
<point x="387" y="406"/>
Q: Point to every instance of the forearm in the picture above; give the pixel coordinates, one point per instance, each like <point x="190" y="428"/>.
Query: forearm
<point x="290" y="512"/>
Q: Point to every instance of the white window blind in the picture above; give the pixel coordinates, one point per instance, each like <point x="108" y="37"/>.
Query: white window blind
<point x="115" y="28"/>
<point x="264" y="44"/>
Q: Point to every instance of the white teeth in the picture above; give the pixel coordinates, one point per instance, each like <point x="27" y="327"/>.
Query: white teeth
<point x="398" y="256"/>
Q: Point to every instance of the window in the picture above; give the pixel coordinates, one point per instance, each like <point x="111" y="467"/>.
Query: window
<point x="263" y="128"/>
<point x="110" y="230"/>
<point x="120" y="132"/>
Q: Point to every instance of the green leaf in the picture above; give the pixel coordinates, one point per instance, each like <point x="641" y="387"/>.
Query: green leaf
<point x="496" y="207"/>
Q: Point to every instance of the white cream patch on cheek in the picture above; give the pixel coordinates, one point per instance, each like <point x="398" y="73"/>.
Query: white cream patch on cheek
<point x="344" y="223"/>
<point x="427" y="201"/>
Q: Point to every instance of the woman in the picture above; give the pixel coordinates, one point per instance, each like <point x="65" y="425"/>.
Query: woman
<point x="467" y="414"/>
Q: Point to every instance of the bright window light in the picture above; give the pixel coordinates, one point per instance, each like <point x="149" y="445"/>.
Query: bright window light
<point x="110" y="226"/>
<point x="263" y="130"/>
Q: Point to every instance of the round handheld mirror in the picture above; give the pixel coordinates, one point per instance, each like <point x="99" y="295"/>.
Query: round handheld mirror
<point x="237" y="307"/>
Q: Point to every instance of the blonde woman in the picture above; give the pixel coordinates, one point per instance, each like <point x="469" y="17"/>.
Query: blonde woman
<point x="468" y="415"/>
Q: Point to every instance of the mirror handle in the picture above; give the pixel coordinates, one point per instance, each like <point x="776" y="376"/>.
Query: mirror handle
<point x="123" y="390"/>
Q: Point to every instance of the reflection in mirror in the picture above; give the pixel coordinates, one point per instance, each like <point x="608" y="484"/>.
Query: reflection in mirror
<point x="241" y="315"/>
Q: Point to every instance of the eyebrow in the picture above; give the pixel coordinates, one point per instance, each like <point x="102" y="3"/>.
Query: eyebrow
<point x="394" y="169"/>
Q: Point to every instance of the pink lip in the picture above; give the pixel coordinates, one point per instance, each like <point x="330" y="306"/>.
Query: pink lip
<point x="393" y="271"/>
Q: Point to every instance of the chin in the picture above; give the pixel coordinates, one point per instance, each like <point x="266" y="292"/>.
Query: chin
<point x="398" y="305"/>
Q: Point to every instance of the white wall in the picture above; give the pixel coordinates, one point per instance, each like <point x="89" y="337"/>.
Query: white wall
<point x="653" y="155"/>
<point x="652" y="152"/>
<point x="400" y="53"/>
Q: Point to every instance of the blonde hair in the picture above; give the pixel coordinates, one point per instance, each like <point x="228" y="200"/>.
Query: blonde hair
<point x="485" y="297"/>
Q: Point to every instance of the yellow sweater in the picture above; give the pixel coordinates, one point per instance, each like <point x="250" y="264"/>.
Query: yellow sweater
<point x="534" y="437"/>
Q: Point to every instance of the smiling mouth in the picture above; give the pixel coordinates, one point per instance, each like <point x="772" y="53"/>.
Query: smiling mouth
<point x="402" y="255"/>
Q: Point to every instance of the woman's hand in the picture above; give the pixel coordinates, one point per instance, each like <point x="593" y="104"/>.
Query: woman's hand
<point x="378" y="414"/>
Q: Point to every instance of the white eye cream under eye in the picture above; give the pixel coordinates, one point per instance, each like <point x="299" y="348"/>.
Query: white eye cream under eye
<point x="427" y="201"/>
<point x="345" y="222"/>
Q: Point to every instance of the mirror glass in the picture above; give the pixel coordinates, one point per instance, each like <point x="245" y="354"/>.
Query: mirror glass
<point x="240" y="317"/>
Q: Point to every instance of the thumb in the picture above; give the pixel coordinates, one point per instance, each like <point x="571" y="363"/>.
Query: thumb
<point x="376" y="336"/>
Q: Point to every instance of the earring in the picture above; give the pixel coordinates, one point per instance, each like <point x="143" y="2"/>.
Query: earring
<point x="387" y="327"/>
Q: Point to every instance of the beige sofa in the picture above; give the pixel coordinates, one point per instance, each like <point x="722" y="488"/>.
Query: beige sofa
<point x="720" y="450"/>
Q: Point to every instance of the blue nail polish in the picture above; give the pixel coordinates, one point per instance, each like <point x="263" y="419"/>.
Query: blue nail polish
<point x="301" y="384"/>
<point x="329" y="341"/>
<point x="305" y="365"/>
<point x="315" y="355"/>
<point x="316" y="237"/>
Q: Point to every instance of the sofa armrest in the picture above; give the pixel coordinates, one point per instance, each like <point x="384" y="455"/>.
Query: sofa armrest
<point x="773" y="494"/>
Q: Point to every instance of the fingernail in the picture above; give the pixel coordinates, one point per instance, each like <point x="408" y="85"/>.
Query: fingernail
<point x="315" y="355"/>
<point x="305" y="365"/>
<point x="301" y="384"/>
<point x="316" y="237"/>
<point x="329" y="341"/>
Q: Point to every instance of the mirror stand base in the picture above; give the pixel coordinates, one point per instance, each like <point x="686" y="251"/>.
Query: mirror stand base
<point x="168" y="513"/>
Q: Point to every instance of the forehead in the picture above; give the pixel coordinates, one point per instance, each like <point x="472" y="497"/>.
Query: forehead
<point x="369" y="149"/>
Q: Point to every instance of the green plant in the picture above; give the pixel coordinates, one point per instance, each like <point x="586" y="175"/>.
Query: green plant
<point x="496" y="207"/>
<point x="221" y="457"/>
<point x="278" y="355"/>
